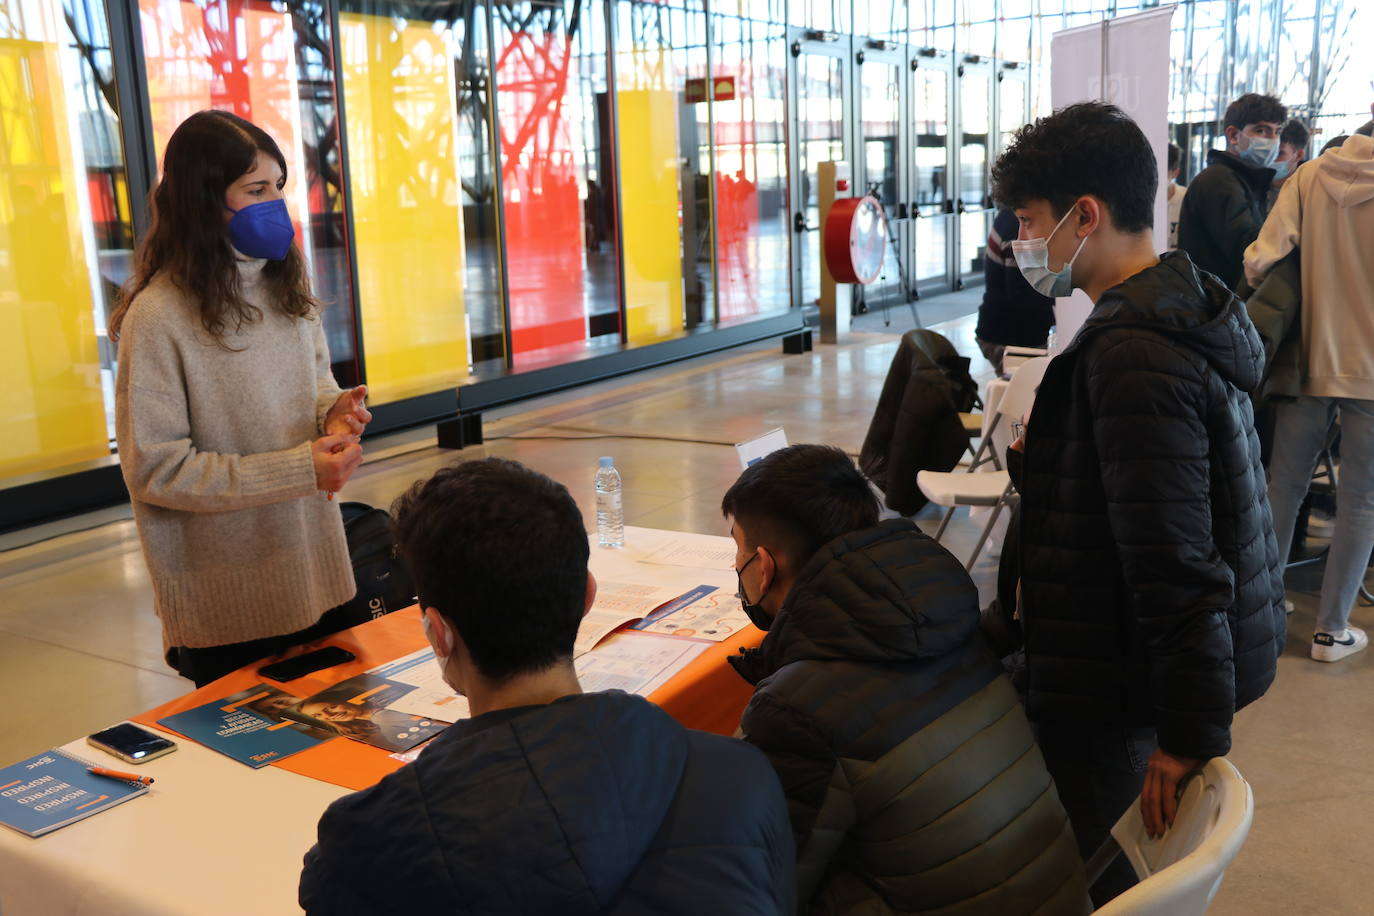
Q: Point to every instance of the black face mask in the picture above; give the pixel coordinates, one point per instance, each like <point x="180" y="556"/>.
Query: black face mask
<point x="756" y="614"/>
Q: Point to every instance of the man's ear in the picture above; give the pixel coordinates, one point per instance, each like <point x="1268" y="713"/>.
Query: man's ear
<point x="591" y="593"/>
<point x="768" y="567"/>
<point x="1233" y="134"/>
<point x="1091" y="214"/>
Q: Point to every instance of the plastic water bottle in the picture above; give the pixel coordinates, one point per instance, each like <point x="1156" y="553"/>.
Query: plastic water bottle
<point x="1052" y="341"/>
<point x="610" y="515"/>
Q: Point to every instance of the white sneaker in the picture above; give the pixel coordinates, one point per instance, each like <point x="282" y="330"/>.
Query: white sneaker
<point x="1332" y="647"/>
<point x="1288" y="606"/>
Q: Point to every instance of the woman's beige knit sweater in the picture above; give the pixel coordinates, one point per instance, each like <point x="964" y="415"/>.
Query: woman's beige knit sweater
<point x="215" y="448"/>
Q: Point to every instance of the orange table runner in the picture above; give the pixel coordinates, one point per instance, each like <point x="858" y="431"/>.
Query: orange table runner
<point x="705" y="695"/>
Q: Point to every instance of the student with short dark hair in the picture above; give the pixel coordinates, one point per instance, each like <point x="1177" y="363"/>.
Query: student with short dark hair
<point x="912" y="778"/>
<point x="1228" y="200"/>
<point x="1151" y="586"/>
<point x="547" y="800"/>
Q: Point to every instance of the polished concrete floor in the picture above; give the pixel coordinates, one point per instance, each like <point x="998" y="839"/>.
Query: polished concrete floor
<point x="80" y="647"/>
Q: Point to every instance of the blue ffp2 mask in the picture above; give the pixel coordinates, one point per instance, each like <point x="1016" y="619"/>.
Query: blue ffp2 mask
<point x="263" y="230"/>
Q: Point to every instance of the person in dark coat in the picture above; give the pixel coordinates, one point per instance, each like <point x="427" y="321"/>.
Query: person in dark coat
<point x="912" y="777"/>
<point x="1011" y="314"/>
<point x="1227" y="201"/>
<point x="547" y="800"/>
<point x="1151" y="587"/>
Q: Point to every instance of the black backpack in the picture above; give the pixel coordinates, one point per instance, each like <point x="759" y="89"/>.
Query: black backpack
<point x="384" y="583"/>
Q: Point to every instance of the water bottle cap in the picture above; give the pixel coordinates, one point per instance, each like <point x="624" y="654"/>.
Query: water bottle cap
<point x="607" y="462"/>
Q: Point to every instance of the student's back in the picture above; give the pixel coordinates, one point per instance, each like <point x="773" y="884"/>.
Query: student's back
<point x="913" y="779"/>
<point x="597" y="803"/>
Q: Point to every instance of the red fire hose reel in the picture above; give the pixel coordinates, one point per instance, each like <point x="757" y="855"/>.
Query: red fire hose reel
<point x="855" y="239"/>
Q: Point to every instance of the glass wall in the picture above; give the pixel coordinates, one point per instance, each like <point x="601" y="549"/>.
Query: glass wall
<point x="749" y="62"/>
<point x="65" y="233"/>
<point x="274" y="66"/>
<point x="558" y="180"/>
<point x="424" y="193"/>
<point x="485" y="188"/>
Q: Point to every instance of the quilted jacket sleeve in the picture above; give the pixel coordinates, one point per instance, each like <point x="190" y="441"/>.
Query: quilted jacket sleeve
<point x="818" y="800"/>
<point x="1149" y="405"/>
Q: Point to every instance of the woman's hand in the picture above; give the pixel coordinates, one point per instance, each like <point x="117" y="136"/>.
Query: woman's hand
<point x="348" y="416"/>
<point x="336" y="458"/>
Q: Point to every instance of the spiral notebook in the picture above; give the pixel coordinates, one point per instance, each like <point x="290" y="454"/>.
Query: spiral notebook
<point x="53" y="789"/>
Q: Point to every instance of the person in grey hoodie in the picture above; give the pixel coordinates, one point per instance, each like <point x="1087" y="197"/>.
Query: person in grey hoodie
<point x="1326" y="211"/>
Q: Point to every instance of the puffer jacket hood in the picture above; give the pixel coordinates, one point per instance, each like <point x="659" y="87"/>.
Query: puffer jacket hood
<point x="861" y="599"/>
<point x="1347" y="172"/>
<point x="576" y="807"/>
<point x="1188" y="306"/>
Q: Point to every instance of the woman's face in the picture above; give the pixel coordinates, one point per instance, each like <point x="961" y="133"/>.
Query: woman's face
<point x="334" y="712"/>
<point x="263" y="182"/>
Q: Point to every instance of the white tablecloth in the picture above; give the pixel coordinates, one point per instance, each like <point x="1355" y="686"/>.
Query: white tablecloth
<point x="213" y="836"/>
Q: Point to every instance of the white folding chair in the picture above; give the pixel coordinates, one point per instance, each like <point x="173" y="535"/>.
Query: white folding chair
<point x="1181" y="871"/>
<point x="953" y="489"/>
<point x="1013" y="357"/>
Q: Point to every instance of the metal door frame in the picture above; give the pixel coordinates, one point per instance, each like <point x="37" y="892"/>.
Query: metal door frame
<point x="979" y="209"/>
<point x="821" y="44"/>
<point x="871" y="51"/>
<point x="943" y="62"/>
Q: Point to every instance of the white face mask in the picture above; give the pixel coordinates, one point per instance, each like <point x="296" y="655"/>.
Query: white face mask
<point x="1033" y="257"/>
<point x="1260" y="151"/>
<point x="441" y="660"/>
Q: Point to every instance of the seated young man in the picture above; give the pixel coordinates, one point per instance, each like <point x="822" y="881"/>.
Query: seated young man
<point x="547" y="800"/>
<point x="912" y="777"/>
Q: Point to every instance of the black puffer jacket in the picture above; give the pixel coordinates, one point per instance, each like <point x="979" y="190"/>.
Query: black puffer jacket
<point x="1222" y="214"/>
<point x="598" y="803"/>
<point x="1152" y="592"/>
<point x="911" y="775"/>
<point x="916" y="425"/>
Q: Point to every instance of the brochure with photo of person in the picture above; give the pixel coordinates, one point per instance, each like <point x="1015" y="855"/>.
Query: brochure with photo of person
<point x="251" y="726"/>
<point x="359" y="708"/>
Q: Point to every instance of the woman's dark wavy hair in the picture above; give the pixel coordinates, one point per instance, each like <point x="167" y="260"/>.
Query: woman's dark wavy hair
<point x="188" y="239"/>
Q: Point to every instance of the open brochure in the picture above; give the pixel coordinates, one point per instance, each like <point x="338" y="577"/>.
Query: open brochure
<point x="252" y="726"/>
<point x="618" y="603"/>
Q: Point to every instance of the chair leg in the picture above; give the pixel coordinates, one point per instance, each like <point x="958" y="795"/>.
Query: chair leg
<point x="987" y="529"/>
<point x="944" y="523"/>
<point x="985" y="442"/>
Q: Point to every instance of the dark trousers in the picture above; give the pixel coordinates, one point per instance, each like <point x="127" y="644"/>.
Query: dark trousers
<point x="203" y="665"/>
<point x="1099" y="774"/>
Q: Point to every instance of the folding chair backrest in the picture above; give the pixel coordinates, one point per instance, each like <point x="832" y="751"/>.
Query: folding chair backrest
<point x="1181" y="871"/>
<point x="1021" y="389"/>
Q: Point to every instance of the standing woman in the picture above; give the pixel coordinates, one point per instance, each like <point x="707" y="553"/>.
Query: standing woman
<point x="233" y="434"/>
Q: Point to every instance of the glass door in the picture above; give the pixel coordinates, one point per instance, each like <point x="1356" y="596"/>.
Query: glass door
<point x="882" y="169"/>
<point x="932" y="190"/>
<point x="973" y="205"/>
<point x="1013" y="101"/>
<point x="821" y="117"/>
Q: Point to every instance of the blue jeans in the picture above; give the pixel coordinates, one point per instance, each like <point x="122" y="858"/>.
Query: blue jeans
<point x="1300" y="433"/>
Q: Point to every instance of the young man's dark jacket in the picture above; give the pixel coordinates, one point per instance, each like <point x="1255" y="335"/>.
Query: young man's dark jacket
<point x="912" y="778"/>
<point x="598" y="803"/>
<point x="1222" y="214"/>
<point x="1151" y="587"/>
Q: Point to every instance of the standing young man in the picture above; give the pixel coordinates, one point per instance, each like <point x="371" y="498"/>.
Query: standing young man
<point x="1152" y="594"/>
<point x="546" y="800"/>
<point x="1327" y="212"/>
<point x="1227" y="201"/>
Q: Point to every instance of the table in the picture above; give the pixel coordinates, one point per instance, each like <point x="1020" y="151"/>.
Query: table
<point x="214" y="836"/>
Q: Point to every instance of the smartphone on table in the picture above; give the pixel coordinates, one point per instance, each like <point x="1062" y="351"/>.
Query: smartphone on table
<point x="301" y="665"/>
<point x="131" y="744"/>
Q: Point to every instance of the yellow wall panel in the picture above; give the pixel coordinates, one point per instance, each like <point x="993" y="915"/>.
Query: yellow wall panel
<point x="650" y="199"/>
<point x="408" y="220"/>
<point x="52" y="410"/>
